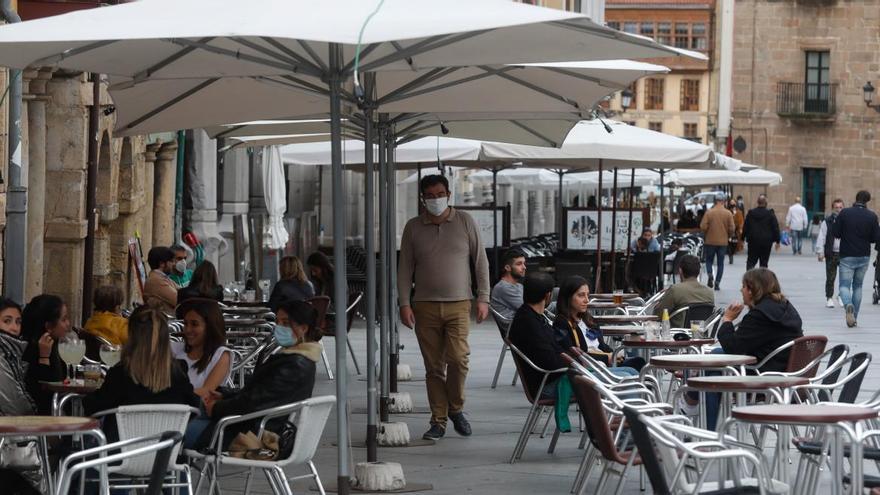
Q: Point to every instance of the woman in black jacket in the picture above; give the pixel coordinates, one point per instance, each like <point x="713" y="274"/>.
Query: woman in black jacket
<point x="204" y="284"/>
<point x="293" y="286"/>
<point x="574" y="327"/>
<point x="285" y="377"/>
<point x="44" y="322"/>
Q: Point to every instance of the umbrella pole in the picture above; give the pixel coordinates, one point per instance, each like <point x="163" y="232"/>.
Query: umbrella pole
<point x="495" y="271"/>
<point x="340" y="279"/>
<point x="629" y="227"/>
<point x="560" y="223"/>
<point x="393" y="338"/>
<point x="599" y="234"/>
<point x="384" y="281"/>
<point x="660" y="228"/>
<point x="614" y="232"/>
<point x="370" y="290"/>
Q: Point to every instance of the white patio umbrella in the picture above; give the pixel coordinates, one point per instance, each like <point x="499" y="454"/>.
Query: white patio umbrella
<point x="755" y="177"/>
<point x="526" y="178"/>
<point x="276" y="197"/>
<point x="214" y="55"/>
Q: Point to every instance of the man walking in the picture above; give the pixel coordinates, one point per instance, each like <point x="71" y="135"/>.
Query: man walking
<point x="760" y="232"/>
<point x="507" y="295"/>
<point x="717" y="226"/>
<point x="857" y="228"/>
<point x="828" y="248"/>
<point x="440" y="255"/>
<point x="797" y="222"/>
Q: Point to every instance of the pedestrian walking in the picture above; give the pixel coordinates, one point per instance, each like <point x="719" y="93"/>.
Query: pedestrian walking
<point x="857" y="228"/>
<point x="797" y="221"/>
<point x="760" y="232"/>
<point x="441" y="259"/>
<point x="828" y="249"/>
<point x="735" y="244"/>
<point x="717" y="226"/>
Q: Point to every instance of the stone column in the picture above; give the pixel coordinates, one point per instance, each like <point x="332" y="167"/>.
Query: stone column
<point x="165" y="170"/>
<point x="150" y="157"/>
<point x="235" y="193"/>
<point x="36" y="128"/>
<point x="200" y="196"/>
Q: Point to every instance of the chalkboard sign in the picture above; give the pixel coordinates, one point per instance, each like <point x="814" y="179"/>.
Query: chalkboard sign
<point x="582" y="228"/>
<point x="482" y="215"/>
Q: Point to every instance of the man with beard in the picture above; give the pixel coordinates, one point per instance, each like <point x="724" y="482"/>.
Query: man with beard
<point x="507" y="295"/>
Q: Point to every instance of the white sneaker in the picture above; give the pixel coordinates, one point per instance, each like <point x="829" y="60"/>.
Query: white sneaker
<point x="829" y="303"/>
<point x="691" y="410"/>
<point x="840" y="301"/>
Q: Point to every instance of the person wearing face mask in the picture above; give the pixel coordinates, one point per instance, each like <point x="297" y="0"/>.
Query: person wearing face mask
<point x="828" y="250"/>
<point x="441" y="259"/>
<point x="507" y="295"/>
<point x="284" y="377"/>
<point x="180" y="274"/>
<point x="160" y="291"/>
<point x="44" y="321"/>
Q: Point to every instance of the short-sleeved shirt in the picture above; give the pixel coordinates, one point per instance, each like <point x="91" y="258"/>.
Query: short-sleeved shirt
<point x="196" y="377"/>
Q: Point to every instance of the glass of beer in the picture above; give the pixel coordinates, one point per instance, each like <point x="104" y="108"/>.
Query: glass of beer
<point x="617" y="296"/>
<point x="697" y="328"/>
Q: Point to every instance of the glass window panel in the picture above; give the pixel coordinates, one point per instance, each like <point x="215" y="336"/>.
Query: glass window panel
<point x="614" y="25"/>
<point x="699" y="43"/>
<point x="698" y="28"/>
<point x="647" y="29"/>
<point x="664" y="27"/>
<point x="681" y="28"/>
<point x="630" y="27"/>
<point x="681" y="42"/>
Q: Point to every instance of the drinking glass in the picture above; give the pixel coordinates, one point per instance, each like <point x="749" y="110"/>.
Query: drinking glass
<point x="698" y="328"/>
<point x="617" y="296"/>
<point x="110" y="354"/>
<point x="265" y="285"/>
<point x="71" y="350"/>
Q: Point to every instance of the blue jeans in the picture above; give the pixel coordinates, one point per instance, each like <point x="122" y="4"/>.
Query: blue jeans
<point x="797" y="240"/>
<point x="717" y="252"/>
<point x="713" y="399"/>
<point x="852" y="272"/>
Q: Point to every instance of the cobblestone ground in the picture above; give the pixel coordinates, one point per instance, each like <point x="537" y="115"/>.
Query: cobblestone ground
<point x="479" y="464"/>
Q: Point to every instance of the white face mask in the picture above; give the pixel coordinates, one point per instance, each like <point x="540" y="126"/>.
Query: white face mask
<point x="180" y="266"/>
<point x="436" y="206"/>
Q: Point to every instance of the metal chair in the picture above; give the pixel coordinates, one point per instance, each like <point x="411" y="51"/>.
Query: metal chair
<point x="309" y="417"/>
<point x="330" y="330"/>
<point x="802" y="352"/>
<point x="504" y="328"/>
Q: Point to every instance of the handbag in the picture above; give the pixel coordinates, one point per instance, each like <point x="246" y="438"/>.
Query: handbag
<point x="268" y="447"/>
<point x="785" y="238"/>
<point x="19" y="454"/>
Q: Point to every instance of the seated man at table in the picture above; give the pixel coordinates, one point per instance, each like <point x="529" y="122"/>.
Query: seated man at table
<point x="507" y="295"/>
<point x="688" y="291"/>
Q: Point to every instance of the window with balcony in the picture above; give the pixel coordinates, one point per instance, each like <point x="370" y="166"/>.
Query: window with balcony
<point x="813" y="98"/>
<point x="690" y="95"/>
<point x="654" y="94"/>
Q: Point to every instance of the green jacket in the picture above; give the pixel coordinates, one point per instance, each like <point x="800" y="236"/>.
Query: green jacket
<point x="683" y="294"/>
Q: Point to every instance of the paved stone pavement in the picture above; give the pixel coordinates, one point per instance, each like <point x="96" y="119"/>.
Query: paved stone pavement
<point x="479" y="464"/>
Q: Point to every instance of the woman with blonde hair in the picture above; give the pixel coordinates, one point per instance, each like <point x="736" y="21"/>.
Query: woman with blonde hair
<point x="293" y="286"/>
<point x="146" y="374"/>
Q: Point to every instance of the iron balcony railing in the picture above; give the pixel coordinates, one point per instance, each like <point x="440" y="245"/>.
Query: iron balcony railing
<point x="807" y="100"/>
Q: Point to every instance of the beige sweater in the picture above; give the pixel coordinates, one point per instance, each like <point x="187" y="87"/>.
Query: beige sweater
<point x="435" y="260"/>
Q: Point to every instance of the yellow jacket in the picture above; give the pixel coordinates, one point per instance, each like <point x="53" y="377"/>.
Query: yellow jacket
<point x="110" y="326"/>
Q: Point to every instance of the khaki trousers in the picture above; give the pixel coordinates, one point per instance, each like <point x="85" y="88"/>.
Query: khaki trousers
<point x="442" y="330"/>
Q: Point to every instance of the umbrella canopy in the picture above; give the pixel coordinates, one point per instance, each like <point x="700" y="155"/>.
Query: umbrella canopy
<point x="275" y="195"/>
<point x="756" y="177"/>
<point x="526" y="178"/>
<point x="643" y="177"/>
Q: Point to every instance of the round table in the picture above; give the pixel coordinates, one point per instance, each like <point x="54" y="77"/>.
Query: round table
<point x="701" y="361"/>
<point x="243" y="322"/>
<point x="72" y="391"/>
<point x="612" y="319"/>
<point x="667" y="344"/>
<point x="609" y="295"/>
<point x="605" y="305"/>
<point x="621" y="330"/>
<point x="837" y="417"/>
<point x="246" y="310"/>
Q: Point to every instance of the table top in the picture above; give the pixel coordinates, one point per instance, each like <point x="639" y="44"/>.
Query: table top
<point x="246" y="310"/>
<point x="667" y="344"/>
<point x="605" y="305"/>
<point x="34" y="425"/>
<point x="244" y="304"/>
<point x="803" y="413"/>
<point x="78" y="387"/>
<point x="608" y="295"/>
<point x="243" y="322"/>
<point x="625" y="318"/>
<point x="748" y="382"/>
<point x="702" y="360"/>
<point x="621" y="330"/>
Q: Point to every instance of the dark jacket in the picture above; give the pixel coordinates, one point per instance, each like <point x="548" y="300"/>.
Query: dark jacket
<point x="119" y="389"/>
<point x="289" y="290"/>
<point x="533" y="336"/>
<point x="768" y="325"/>
<point x="857" y="228"/>
<point x="191" y="292"/>
<point x="828" y="248"/>
<point x="36" y="373"/>
<point x="761" y="227"/>
<point x="14" y="398"/>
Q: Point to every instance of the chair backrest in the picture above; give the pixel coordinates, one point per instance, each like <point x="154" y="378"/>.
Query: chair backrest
<point x="698" y="311"/>
<point x="354" y="298"/>
<point x="144" y="420"/>
<point x="645" y="265"/>
<point x="804" y="351"/>
<point x="321" y="304"/>
<point x="502" y="322"/>
<point x="595" y="420"/>
<point x="310" y="419"/>
<point x="645" y="445"/>
<point x="520" y="371"/>
<point x="858" y="367"/>
<point x="834" y="354"/>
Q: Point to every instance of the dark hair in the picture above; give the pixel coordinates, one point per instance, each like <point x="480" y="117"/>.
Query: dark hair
<point x="215" y="328"/>
<point x="510" y="256"/>
<point x="567" y="290"/>
<point x="6" y="303"/>
<point x="40" y="311"/>
<point x="177" y="248"/>
<point x="204" y="279"/>
<point x="763" y="283"/>
<point x="536" y="286"/>
<point x="324" y="284"/>
<point x="432" y="180"/>
<point x="159" y="255"/>
<point x="107" y="298"/>
<point x="303" y="313"/>
<point x="647" y="229"/>
<point x="689" y="266"/>
<point x="863" y="197"/>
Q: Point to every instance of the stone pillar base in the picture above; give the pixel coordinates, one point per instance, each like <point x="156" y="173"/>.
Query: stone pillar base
<point x="401" y="402"/>
<point x="378" y="476"/>
<point x="393" y="434"/>
<point x="404" y="373"/>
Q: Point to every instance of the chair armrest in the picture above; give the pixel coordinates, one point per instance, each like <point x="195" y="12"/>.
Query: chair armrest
<point x="105" y="412"/>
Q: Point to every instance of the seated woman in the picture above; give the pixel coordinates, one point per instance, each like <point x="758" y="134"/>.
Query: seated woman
<point x="574" y="327"/>
<point x="146" y="372"/>
<point x="14" y="397"/>
<point x="772" y="321"/>
<point x="107" y="322"/>
<point x="283" y="378"/>
<point x="208" y="360"/>
<point x="321" y="271"/>
<point x="293" y="286"/>
<point x="44" y="322"/>
<point x="204" y="284"/>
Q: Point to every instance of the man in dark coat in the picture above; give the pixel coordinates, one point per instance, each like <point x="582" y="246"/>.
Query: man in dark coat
<point x="760" y="232"/>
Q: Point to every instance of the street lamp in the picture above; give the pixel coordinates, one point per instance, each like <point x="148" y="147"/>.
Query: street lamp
<point x="626" y="99"/>
<point x="868" y="96"/>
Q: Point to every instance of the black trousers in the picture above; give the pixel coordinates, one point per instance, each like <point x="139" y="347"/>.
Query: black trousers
<point x="758" y="254"/>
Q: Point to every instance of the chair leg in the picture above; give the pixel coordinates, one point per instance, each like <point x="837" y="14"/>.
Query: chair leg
<point x="623" y="474"/>
<point x="354" y="358"/>
<point x="513" y="383"/>
<point x="520" y="446"/>
<point x="282" y="481"/>
<point x="546" y="425"/>
<point x="247" y="482"/>
<point x="553" y="441"/>
<point x="273" y="481"/>
<point x="326" y="362"/>
<point x="585" y="469"/>
<point x="500" y="364"/>
<point x="317" y="478"/>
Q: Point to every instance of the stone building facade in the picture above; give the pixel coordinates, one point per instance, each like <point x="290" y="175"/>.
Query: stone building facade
<point x="799" y="68"/>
